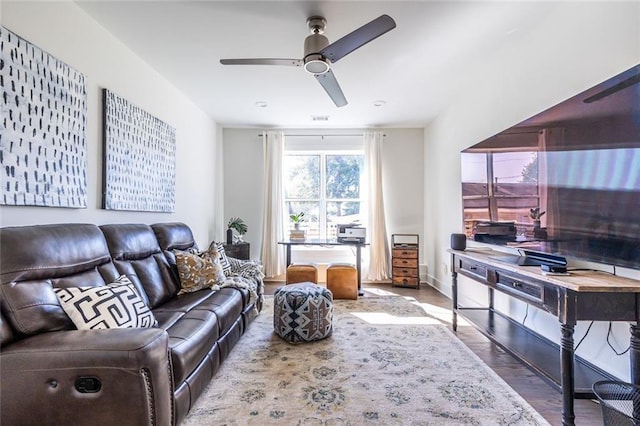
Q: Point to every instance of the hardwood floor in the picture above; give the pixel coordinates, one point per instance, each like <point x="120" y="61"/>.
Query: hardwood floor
<point x="542" y="396"/>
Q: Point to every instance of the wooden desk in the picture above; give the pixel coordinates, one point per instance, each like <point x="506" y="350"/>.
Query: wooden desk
<point x="581" y="296"/>
<point x="329" y="243"/>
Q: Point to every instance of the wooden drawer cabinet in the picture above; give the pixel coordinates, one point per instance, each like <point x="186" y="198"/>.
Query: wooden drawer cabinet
<point x="404" y="263"/>
<point x="405" y="260"/>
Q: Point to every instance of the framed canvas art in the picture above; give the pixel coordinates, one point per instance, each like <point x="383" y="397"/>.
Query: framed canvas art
<point x="43" y="110"/>
<point x="139" y="158"/>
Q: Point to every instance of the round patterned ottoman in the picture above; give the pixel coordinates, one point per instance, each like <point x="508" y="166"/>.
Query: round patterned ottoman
<point x="302" y="312"/>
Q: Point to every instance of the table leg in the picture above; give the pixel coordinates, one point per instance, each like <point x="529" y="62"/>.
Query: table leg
<point x="634" y="358"/>
<point x="288" y="254"/>
<point x="492" y="310"/>
<point x="454" y="296"/>
<point x="567" y="374"/>
<point x="358" y="270"/>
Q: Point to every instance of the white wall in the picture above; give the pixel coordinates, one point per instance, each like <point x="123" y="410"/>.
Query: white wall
<point x="243" y="192"/>
<point x="575" y="46"/>
<point x="66" y="32"/>
<point x="402" y="179"/>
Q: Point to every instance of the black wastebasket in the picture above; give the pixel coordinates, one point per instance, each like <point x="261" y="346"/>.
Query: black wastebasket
<point x="620" y="402"/>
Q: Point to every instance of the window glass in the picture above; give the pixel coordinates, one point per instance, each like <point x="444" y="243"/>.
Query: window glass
<point x="301" y="176"/>
<point x="325" y="186"/>
<point x="343" y="176"/>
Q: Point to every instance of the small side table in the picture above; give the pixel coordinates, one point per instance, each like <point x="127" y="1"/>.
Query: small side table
<point x="240" y="251"/>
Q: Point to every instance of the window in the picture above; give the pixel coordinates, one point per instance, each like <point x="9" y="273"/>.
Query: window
<point x="500" y="187"/>
<point x="323" y="177"/>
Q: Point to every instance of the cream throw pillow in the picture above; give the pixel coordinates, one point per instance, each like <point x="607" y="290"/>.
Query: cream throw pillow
<point x="117" y="305"/>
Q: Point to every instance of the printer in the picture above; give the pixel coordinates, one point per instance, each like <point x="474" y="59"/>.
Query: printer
<point x="351" y="233"/>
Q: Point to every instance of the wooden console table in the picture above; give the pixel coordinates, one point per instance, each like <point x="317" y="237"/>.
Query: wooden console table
<point x="581" y="296"/>
<point x="329" y="243"/>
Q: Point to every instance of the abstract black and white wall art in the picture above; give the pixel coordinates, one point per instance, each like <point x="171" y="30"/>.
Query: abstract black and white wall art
<point x="139" y="158"/>
<point x="42" y="127"/>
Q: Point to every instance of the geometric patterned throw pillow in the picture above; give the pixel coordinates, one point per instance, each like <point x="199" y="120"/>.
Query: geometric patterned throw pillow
<point x="198" y="272"/>
<point x="222" y="255"/>
<point x="117" y="305"/>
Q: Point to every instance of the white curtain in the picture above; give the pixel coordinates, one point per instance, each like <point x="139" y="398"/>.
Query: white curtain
<point x="272" y="225"/>
<point x="379" y="255"/>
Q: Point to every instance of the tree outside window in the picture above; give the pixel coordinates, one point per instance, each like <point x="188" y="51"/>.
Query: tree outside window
<point x="327" y="187"/>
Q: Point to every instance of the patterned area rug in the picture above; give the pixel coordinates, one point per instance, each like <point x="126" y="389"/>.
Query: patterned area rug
<point x="387" y="363"/>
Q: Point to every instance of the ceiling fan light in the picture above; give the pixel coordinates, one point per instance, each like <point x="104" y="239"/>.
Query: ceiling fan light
<point x="316" y="66"/>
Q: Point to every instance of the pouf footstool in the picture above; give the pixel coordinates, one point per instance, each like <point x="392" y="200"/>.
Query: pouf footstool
<point x="301" y="273"/>
<point x="342" y="280"/>
<point x="302" y="312"/>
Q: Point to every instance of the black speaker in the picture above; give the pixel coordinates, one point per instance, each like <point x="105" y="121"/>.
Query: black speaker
<point x="458" y="241"/>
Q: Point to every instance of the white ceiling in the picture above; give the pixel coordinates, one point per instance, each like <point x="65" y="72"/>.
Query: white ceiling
<point x="415" y="68"/>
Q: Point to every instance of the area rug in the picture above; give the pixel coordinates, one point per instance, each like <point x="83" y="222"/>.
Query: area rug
<point x="387" y="363"/>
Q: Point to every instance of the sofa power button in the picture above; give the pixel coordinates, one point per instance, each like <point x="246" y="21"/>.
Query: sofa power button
<point x="88" y="384"/>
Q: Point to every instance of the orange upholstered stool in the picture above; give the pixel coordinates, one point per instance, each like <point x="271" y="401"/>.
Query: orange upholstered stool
<point x="342" y="280"/>
<point x="302" y="272"/>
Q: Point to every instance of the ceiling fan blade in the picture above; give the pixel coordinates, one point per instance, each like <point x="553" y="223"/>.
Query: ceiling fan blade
<point x="263" y="61"/>
<point x="331" y="86"/>
<point x="358" y="38"/>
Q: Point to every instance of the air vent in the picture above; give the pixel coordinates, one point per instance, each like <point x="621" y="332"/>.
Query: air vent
<point x="319" y="118"/>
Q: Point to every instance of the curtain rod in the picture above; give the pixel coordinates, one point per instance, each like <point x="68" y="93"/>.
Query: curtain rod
<point x="340" y="135"/>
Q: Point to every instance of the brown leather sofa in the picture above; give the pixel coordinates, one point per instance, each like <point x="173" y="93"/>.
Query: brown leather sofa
<point x="52" y="373"/>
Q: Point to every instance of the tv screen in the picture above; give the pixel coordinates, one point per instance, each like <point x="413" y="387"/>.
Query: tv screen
<point x="566" y="181"/>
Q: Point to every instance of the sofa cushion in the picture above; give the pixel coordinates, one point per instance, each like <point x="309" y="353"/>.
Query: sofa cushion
<point x="117" y="305"/>
<point x="190" y="340"/>
<point x="181" y="304"/>
<point x="42" y="257"/>
<point x="174" y="236"/>
<point x="136" y="254"/>
<point x="228" y="304"/>
<point x="6" y="333"/>
<point x="198" y="271"/>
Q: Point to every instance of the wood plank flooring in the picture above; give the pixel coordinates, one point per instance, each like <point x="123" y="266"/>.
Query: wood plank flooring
<point x="542" y="396"/>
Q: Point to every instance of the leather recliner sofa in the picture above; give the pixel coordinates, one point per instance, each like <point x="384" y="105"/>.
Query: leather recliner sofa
<point x="53" y="373"/>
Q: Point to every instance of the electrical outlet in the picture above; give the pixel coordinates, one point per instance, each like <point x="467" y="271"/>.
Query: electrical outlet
<point x="445" y="268"/>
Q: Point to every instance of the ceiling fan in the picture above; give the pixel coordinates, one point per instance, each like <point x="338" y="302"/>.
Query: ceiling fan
<point x="319" y="54"/>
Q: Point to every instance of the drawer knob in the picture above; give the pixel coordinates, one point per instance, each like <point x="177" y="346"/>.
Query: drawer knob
<point x="515" y="284"/>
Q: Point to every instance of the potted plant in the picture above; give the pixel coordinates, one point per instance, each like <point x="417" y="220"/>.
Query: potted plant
<point x="296" y="218"/>
<point x="536" y="214"/>
<point x="237" y="224"/>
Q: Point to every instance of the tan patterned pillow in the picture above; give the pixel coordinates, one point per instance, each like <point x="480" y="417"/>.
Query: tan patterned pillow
<point x="197" y="271"/>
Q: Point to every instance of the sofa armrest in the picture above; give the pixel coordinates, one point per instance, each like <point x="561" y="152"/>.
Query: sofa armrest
<point x="101" y="377"/>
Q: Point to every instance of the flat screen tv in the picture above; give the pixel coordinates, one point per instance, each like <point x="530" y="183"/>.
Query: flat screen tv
<point x="566" y="181"/>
